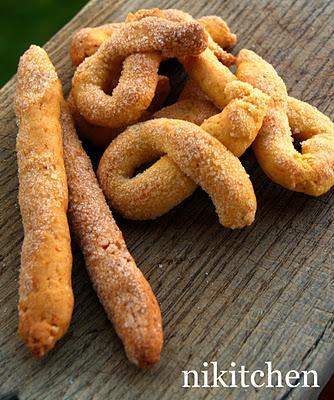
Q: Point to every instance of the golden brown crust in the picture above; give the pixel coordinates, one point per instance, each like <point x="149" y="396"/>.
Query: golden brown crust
<point x="217" y="26"/>
<point x="191" y="110"/>
<point x="122" y="289"/>
<point x="45" y="292"/>
<point x="85" y="42"/>
<point x="235" y="127"/>
<point x="218" y="30"/>
<point x="312" y="170"/>
<point x="172" y="14"/>
<point x="210" y="75"/>
<point x="192" y="105"/>
<point x="306" y="121"/>
<point x="242" y="106"/>
<point x="150" y="38"/>
<point x="201" y="158"/>
<point x="238" y="124"/>
<point x="101" y="136"/>
<point x="129" y="99"/>
<point x="191" y="90"/>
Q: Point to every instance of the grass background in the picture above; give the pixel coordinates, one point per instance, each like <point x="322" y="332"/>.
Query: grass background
<point x="30" y="21"/>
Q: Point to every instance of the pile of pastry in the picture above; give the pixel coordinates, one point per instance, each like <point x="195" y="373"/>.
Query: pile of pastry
<point x="121" y="100"/>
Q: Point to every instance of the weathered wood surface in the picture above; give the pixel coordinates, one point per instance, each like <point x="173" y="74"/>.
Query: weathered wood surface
<point x="264" y="293"/>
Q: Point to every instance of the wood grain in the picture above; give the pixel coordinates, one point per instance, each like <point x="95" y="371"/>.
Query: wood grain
<point x="264" y="293"/>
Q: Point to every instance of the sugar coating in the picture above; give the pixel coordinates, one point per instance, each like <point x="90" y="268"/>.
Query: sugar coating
<point x="101" y="136"/>
<point x="194" y="157"/>
<point x="238" y="124"/>
<point x="34" y="77"/>
<point x="45" y="292"/>
<point x="235" y="126"/>
<point x="312" y="170"/>
<point x="155" y="37"/>
<point x="86" y="41"/>
<point x="130" y="98"/>
<point x="218" y="30"/>
<point x="122" y="289"/>
<point x="192" y="110"/>
<point x="216" y="25"/>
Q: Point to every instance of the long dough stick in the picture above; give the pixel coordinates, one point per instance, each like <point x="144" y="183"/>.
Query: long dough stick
<point x="46" y="298"/>
<point x="122" y="289"/>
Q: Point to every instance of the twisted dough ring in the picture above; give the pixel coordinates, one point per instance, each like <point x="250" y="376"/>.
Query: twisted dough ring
<point x="201" y="158"/>
<point x="312" y="170"/>
<point x="86" y="42"/>
<point x="163" y="185"/>
<point x="152" y="36"/>
<point x="235" y="127"/>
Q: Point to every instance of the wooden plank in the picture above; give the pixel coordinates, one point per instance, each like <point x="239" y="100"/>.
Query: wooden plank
<point x="260" y="294"/>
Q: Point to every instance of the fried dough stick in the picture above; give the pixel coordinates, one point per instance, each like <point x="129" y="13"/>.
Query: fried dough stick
<point x="45" y="292"/>
<point x="121" y="287"/>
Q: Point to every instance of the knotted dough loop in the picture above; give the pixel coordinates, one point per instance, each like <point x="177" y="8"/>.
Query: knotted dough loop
<point x="200" y="157"/>
<point x="87" y="41"/>
<point x="152" y="36"/>
<point x="236" y="126"/>
<point x="310" y="171"/>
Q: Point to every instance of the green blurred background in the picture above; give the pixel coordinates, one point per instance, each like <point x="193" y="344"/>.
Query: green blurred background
<point x="30" y="21"/>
